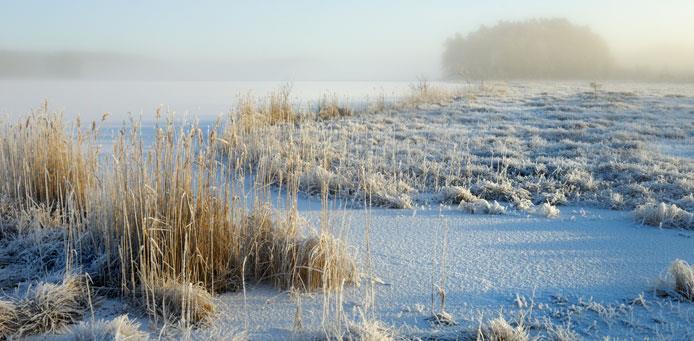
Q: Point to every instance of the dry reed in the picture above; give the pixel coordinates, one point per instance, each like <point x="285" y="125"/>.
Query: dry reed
<point x="500" y="330"/>
<point x="44" y="162"/>
<point x="682" y="276"/>
<point x="157" y="217"/>
<point x="120" y="328"/>
<point x="186" y="303"/>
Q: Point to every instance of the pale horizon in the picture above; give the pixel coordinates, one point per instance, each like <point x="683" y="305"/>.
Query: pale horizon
<point x="311" y="40"/>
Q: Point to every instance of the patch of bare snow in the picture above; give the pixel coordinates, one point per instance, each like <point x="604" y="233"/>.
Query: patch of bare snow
<point x="587" y="269"/>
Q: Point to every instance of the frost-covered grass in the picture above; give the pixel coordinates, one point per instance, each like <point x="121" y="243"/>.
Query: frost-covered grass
<point x="561" y="333"/>
<point x="31" y="255"/>
<point x="176" y="302"/>
<point x="47" y="308"/>
<point x="678" y="281"/>
<point x="519" y="144"/>
<point x="120" y="328"/>
<point x="664" y="215"/>
<point x="500" y="330"/>
<point x="481" y="206"/>
<point x="546" y="210"/>
<point x="46" y="161"/>
<point x="683" y="275"/>
<point x="370" y="330"/>
<point x="169" y="222"/>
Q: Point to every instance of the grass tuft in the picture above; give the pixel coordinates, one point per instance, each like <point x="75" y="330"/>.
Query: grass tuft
<point x="546" y="210"/>
<point x="481" y="206"/>
<point x="186" y="303"/>
<point x="500" y="330"/>
<point x="664" y="215"/>
<point x="43" y="162"/>
<point x="423" y="92"/>
<point x="8" y="317"/>
<point x="456" y="195"/>
<point x="370" y="331"/>
<point x="561" y="333"/>
<point x="47" y="308"/>
<point x="682" y="278"/>
<point x="120" y="328"/>
<point x="278" y="254"/>
<point x="329" y="107"/>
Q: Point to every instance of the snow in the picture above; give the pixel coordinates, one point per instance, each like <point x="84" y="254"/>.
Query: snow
<point x="584" y="267"/>
<point x="525" y="144"/>
<point x="586" y="255"/>
<point x="592" y="269"/>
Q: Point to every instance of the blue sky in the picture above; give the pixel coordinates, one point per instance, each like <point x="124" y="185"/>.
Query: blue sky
<point x="346" y="39"/>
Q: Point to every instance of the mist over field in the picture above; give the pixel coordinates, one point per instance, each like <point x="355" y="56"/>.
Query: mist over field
<point x="312" y="41"/>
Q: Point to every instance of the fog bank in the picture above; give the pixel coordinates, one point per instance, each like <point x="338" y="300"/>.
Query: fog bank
<point x="308" y="39"/>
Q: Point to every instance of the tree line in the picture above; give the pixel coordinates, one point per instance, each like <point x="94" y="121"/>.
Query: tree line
<point x="531" y="49"/>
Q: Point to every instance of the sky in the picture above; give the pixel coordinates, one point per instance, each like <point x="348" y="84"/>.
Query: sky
<point x="321" y="40"/>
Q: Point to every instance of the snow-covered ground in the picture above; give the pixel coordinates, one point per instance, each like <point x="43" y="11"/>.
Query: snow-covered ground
<point x="593" y="271"/>
<point x="590" y="269"/>
<point x="584" y="269"/>
<point x="522" y="143"/>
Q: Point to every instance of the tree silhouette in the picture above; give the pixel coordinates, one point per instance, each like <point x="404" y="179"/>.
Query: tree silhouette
<point x="534" y="49"/>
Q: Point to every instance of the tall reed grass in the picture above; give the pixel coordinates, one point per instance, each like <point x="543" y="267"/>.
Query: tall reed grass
<point x="46" y="162"/>
<point x="156" y="219"/>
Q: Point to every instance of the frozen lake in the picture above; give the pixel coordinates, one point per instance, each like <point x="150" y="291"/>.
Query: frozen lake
<point x="204" y="100"/>
<point x="207" y="99"/>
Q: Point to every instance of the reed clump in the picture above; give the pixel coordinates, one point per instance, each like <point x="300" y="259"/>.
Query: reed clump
<point x="161" y="213"/>
<point x="157" y="220"/>
<point x="423" y="92"/>
<point x="279" y="254"/>
<point x="42" y="161"/>
<point x="253" y="113"/>
<point x="329" y="107"/>
<point x="180" y="302"/>
<point x="171" y="217"/>
<point x="279" y="107"/>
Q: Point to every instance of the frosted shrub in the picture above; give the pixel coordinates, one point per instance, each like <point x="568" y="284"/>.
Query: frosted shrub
<point x="47" y="308"/>
<point x="680" y="279"/>
<point x="546" y="210"/>
<point x="664" y="215"/>
<point x="482" y="206"/>
<point x="500" y="330"/>
<point x="456" y="195"/>
<point x="120" y="328"/>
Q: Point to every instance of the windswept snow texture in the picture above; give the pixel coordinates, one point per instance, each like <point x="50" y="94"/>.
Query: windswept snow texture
<point x="524" y="144"/>
<point x="584" y="269"/>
